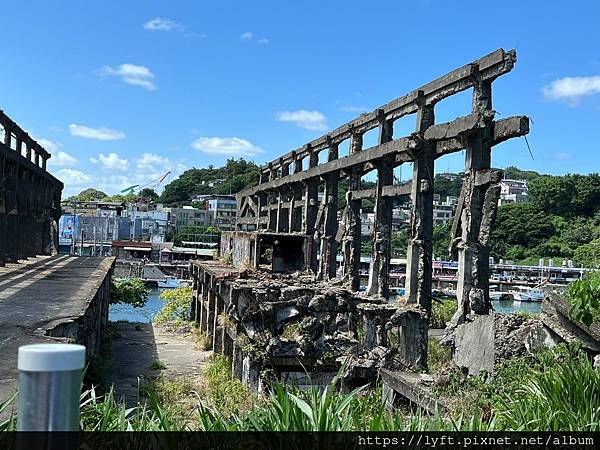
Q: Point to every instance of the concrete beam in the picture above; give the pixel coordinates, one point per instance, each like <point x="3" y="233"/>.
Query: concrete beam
<point x="404" y="148"/>
<point x="487" y="68"/>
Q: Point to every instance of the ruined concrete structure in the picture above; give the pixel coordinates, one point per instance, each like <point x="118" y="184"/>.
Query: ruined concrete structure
<point x="282" y="326"/>
<point x="286" y="200"/>
<point x="29" y="196"/>
<point x="292" y="222"/>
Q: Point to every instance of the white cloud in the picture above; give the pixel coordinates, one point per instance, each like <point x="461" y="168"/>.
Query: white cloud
<point x="310" y="120"/>
<point x="163" y="24"/>
<point x="153" y="162"/>
<point x="230" y="146"/>
<point x="354" y="109"/>
<point x="58" y="157"/>
<point x="131" y="74"/>
<point x="49" y="145"/>
<point x="563" y="156"/>
<point x="72" y="177"/>
<point x="248" y="36"/>
<point x="571" y="89"/>
<point x="112" y="161"/>
<point x="62" y="159"/>
<point x="102" y="133"/>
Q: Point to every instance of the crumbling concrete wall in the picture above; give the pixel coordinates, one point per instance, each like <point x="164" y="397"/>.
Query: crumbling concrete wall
<point x="277" y="326"/>
<point x="563" y="326"/>
<point x="482" y="341"/>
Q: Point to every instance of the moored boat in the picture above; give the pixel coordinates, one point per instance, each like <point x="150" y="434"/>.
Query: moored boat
<point x="527" y="294"/>
<point x="169" y="283"/>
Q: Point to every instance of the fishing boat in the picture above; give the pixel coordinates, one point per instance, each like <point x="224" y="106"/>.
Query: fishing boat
<point x="501" y="296"/>
<point x="169" y="283"/>
<point x="527" y="294"/>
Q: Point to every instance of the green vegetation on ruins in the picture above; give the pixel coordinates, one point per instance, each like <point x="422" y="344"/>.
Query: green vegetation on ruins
<point x="584" y="298"/>
<point x="132" y="291"/>
<point x="548" y="391"/>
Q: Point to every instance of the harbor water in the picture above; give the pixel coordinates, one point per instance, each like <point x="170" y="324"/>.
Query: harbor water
<point x="145" y="314"/>
<point x="154" y="304"/>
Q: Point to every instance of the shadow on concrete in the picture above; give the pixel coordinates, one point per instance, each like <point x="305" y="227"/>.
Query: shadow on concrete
<point x="134" y="360"/>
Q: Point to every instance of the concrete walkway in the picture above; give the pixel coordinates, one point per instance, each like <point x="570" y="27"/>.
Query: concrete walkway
<point x="37" y="296"/>
<point x="136" y="350"/>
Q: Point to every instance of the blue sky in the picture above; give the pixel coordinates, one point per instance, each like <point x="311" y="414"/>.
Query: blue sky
<point x="121" y="92"/>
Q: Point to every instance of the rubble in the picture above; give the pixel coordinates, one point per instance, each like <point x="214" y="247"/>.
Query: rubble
<point x="556" y="318"/>
<point x="483" y="341"/>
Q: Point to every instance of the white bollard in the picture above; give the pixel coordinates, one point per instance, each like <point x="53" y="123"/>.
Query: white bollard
<point x="50" y="377"/>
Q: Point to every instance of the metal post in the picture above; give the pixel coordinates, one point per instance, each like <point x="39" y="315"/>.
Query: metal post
<point x="50" y="378"/>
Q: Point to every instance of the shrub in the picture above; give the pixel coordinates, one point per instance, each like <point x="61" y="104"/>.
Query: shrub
<point x="132" y="291"/>
<point x="177" y="307"/>
<point x="584" y="297"/>
<point x="438" y="356"/>
<point x="562" y="398"/>
<point x="224" y="393"/>
<point x="442" y="312"/>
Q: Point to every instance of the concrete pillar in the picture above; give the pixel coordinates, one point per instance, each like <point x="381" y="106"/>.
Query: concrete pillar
<point x="380" y="257"/>
<point x="211" y="315"/>
<point x="218" y="329"/>
<point x="473" y="258"/>
<point x="295" y="213"/>
<point x="3" y="231"/>
<point x="352" y="242"/>
<point x="420" y="248"/>
<point x="261" y="202"/>
<point x="237" y="362"/>
<point x="272" y="205"/>
<point x="310" y="213"/>
<point x="328" y="242"/>
<point x="227" y="349"/>
<point x="7" y="134"/>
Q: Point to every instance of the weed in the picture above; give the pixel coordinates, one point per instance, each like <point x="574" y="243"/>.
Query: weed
<point x="291" y="331"/>
<point x="441" y="312"/>
<point x="438" y="356"/>
<point x="158" y="365"/>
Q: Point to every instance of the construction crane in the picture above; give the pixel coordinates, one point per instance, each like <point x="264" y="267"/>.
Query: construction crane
<point x="151" y="185"/>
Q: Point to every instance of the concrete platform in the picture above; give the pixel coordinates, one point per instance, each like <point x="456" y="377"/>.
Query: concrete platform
<point x="50" y="299"/>
<point x="412" y="386"/>
<point x="137" y="346"/>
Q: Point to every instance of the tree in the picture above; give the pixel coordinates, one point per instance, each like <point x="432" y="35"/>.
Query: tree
<point x="553" y="194"/>
<point x="514" y="173"/>
<point x="230" y="179"/>
<point x="588" y="255"/>
<point x="447" y="186"/>
<point x="88" y="195"/>
<point x="132" y="291"/>
<point x="148" y="194"/>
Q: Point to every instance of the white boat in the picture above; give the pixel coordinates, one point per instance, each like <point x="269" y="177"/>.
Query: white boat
<point x="527" y="294"/>
<point x="501" y="296"/>
<point x="169" y="282"/>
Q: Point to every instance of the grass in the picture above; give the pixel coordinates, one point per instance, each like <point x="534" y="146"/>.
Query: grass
<point x="158" y="365"/>
<point x="291" y="331"/>
<point x="225" y="394"/>
<point x="438" y="356"/>
<point x="556" y="390"/>
<point x="441" y="312"/>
